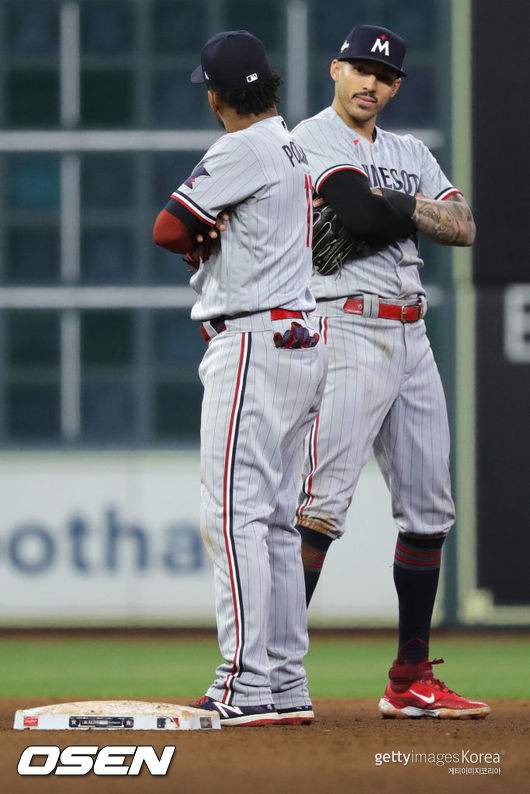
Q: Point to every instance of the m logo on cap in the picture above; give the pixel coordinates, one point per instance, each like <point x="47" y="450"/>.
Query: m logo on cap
<point x="381" y="46"/>
<point x="374" y="43"/>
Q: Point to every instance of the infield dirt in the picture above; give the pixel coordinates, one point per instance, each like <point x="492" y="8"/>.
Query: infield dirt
<point x="334" y="755"/>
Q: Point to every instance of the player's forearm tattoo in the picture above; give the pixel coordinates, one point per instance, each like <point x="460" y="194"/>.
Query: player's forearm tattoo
<point x="448" y="222"/>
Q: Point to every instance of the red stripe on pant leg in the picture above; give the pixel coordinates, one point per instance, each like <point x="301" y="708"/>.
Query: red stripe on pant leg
<point x="309" y="479"/>
<point x="313" y="437"/>
<point x="325" y="329"/>
<point x="309" y="199"/>
<point x="227" y="511"/>
<point x="315" y="461"/>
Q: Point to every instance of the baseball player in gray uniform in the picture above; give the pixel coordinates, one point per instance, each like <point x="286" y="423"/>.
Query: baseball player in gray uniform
<point x="263" y="374"/>
<point x="383" y="390"/>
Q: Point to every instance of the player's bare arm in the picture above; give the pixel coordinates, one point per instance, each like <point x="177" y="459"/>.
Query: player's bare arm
<point x="448" y="222"/>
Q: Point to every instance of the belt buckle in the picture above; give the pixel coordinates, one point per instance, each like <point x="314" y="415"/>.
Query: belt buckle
<point x="419" y="308"/>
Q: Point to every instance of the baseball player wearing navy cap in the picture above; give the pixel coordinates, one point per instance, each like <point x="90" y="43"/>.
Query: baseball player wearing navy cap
<point x="263" y="374"/>
<point x="371" y="43"/>
<point x="232" y="61"/>
<point x="383" y="392"/>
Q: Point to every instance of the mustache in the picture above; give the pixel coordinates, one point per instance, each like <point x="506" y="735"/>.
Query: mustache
<point x="369" y="94"/>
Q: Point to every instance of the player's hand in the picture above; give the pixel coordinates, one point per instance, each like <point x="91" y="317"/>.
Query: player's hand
<point x="213" y="233"/>
<point x="210" y="241"/>
<point x="318" y="202"/>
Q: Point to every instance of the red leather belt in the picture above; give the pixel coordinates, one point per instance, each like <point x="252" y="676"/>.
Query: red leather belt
<point x="388" y="311"/>
<point x="219" y="323"/>
<point x="284" y="314"/>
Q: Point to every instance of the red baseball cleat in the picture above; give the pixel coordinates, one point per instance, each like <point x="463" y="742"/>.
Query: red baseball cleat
<point x="425" y="696"/>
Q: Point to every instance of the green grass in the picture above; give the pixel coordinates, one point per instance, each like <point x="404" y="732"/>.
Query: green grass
<point x="479" y="667"/>
<point x="157" y="667"/>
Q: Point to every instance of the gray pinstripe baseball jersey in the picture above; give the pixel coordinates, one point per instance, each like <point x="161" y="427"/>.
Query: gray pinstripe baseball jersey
<point x="259" y="402"/>
<point x="400" y="162"/>
<point x="262" y="175"/>
<point x="383" y="390"/>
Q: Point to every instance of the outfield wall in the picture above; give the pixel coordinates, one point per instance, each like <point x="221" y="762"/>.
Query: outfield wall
<point x="113" y="538"/>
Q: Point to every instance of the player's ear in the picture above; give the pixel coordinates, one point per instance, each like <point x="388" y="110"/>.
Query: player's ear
<point x="334" y="70"/>
<point x="212" y="99"/>
<point x="395" y="87"/>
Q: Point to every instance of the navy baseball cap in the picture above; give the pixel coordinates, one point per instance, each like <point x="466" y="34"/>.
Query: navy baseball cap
<point x="374" y="43"/>
<point x="232" y="60"/>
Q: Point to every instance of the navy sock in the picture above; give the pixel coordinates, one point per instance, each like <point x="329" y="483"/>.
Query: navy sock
<point x="416" y="571"/>
<point x="314" y="548"/>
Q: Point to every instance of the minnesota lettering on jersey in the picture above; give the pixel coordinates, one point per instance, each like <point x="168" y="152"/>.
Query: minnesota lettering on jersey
<point x="379" y="176"/>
